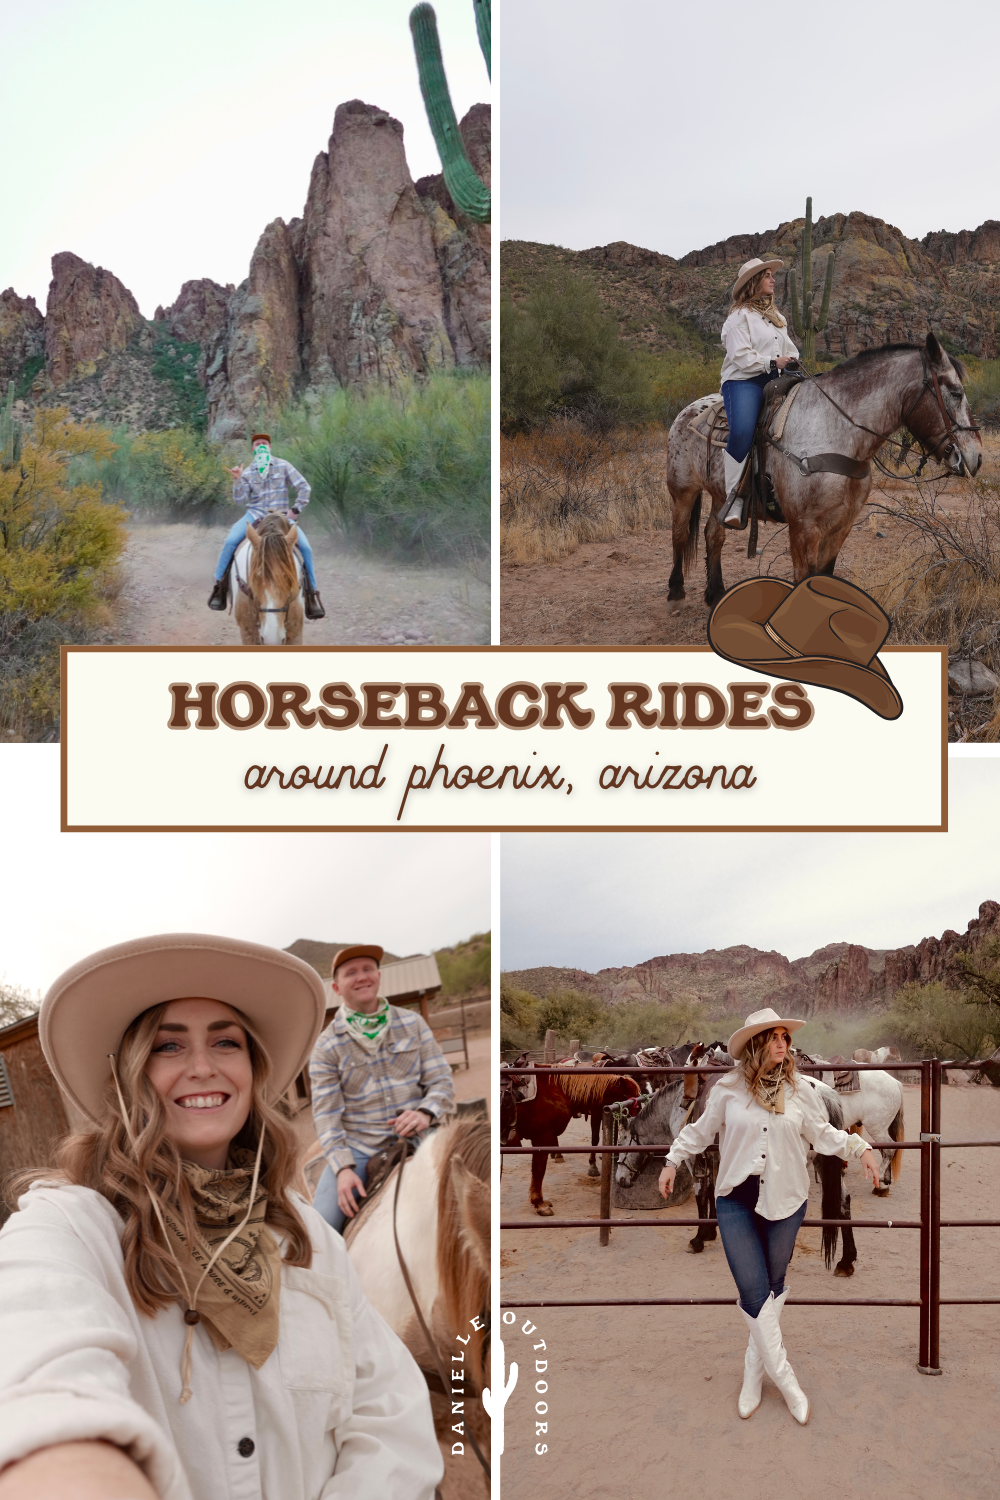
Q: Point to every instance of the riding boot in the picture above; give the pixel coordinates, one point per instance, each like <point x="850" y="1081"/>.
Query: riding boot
<point x="731" y="514"/>
<point x="765" y="1330"/>
<point x="753" y="1370"/>
<point x="219" y="597"/>
<point x="314" y="604"/>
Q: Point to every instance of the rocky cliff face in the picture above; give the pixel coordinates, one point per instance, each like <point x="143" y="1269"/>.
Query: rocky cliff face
<point x="377" y="280"/>
<point x="839" y="977"/>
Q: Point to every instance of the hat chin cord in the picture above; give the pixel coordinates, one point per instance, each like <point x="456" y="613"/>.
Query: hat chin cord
<point x="191" y="1314"/>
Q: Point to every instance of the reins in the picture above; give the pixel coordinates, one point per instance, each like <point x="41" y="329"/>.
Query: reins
<point x="442" y="1372"/>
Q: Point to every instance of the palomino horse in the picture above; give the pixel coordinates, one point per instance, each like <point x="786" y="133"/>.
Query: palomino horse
<point x="849" y="412"/>
<point x="441" y="1216"/>
<point x="265" y="584"/>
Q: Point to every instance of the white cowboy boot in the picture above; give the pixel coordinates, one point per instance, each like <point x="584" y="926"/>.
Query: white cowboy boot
<point x="753" y="1369"/>
<point x="765" y="1331"/>
<point x="730" y="512"/>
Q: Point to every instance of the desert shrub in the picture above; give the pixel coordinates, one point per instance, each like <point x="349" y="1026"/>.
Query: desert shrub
<point x="466" y="969"/>
<point x="176" y="363"/>
<point x="569" y="1013"/>
<point x="647" y="1023"/>
<point x="982" y="386"/>
<point x="677" y="379"/>
<point x="175" y="474"/>
<point x="518" y="1019"/>
<point x="15" y="1002"/>
<point x="404" y="470"/>
<point x="931" y="1020"/>
<point x="59" y="543"/>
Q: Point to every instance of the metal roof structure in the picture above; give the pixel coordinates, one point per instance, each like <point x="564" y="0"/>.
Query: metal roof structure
<point x="408" y="981"/>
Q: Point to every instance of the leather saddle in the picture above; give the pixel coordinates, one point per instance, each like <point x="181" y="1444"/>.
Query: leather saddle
<point x="844" y="1082"/>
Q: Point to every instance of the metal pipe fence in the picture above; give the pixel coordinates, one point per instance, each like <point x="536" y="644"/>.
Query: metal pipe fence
<point x="930" y="1223"/>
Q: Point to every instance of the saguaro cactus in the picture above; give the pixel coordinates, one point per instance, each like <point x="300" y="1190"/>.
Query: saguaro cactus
<point x="804" y="322"/>
<point x="10" y="433"/>
<point x="467" y="191"/>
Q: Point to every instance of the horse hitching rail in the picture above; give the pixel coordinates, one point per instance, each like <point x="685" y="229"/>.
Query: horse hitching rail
<point x="930" y="1145"/>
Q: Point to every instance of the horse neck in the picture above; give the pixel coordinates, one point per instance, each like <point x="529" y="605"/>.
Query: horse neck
<point x="660" y="1108"/>
<point x="877" y="395"/>
<point x="272" y="589"/>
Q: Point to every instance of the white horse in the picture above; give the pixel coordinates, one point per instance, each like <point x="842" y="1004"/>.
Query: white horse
<point x="442" y="1220"/>
<point x="877" y="1106"/>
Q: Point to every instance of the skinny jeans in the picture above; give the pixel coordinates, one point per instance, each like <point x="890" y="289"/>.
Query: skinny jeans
<point x="325" y="1202"/>
<point x="742" y="400"/>
<point x="758" y="1250"/>
<point x="238" y="534"/>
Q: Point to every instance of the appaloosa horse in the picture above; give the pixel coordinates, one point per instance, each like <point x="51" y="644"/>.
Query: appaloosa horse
<point x="265" y="584"/>
<point x="846" y="413"/>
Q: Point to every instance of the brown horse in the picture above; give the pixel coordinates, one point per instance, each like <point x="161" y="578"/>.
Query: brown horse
<point x="848" y="412"/>
<point x="556" y="1102"/>
<point x="266" y="584"/>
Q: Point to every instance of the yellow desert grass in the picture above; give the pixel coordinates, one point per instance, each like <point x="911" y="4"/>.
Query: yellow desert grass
<point x="565" y="485"/>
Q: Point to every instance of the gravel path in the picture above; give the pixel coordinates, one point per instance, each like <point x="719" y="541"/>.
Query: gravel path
<point x="167" y="577"/>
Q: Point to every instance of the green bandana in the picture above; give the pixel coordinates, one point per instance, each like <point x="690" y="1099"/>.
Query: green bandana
<point x="368" y="1028"/>
<point x="262" y="459"/>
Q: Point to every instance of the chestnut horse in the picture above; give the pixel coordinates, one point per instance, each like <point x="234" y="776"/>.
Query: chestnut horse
<point x="266" y="584"/>
<point x="849" y="411"/>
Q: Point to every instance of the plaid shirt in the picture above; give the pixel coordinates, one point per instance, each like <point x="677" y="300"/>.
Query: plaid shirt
<point x="355" y="1094"/>
<point x="270" y="493"/>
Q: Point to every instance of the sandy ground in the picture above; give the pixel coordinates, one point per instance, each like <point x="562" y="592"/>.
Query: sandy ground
<point x="644" y="1399"/>
<point x="167" y="577"/>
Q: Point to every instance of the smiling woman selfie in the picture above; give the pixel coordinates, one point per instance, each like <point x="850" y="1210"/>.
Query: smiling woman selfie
<point x="176" y="1321"/>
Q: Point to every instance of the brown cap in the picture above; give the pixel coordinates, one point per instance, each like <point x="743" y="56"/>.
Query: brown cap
<point x="87" y="1010"/>
<point x="360" y="950"/>
<point x="260" y="437"/>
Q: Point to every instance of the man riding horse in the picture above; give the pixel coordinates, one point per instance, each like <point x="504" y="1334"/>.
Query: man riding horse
<point x="261" y="488"/>
<point x="376" y="1071"/>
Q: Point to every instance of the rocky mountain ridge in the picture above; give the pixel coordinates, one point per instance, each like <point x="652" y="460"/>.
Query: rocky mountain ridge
<point x="838" y="977"/>
<point x="380" y="278"/>
<point x="886" y="287"/>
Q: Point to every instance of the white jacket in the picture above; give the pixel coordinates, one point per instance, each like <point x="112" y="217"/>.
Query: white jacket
<point x="338" y="1410"/>
<point x="752" y="1140"/>
<point x="751" y="343"/>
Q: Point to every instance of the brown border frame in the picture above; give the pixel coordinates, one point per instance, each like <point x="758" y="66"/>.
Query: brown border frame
<point x="65" y="827"/>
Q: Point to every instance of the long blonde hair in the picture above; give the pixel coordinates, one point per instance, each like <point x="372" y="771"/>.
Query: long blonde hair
<point x="754" y="1069"/>
<point x="749" y="295"/>
<point x="101" y="1158"/>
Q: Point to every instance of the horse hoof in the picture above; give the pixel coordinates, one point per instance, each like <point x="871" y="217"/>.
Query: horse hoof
<point x="844" y="1269"/>
<point x="544" y="1210"/>
<point x="674" y="596"/>
<point x="593" y="1172"/>
<point x="558" y="1158"/>
<point x="880" y="1192"/>
<point x="695" y="1247"/>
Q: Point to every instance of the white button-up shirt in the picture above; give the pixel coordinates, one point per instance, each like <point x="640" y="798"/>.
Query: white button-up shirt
<point x="753" y="1141"/>
<point x="751" y="343"/>
<point x="338" y="1410"/>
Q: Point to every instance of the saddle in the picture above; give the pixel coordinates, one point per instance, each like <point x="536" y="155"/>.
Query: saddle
<point x="522" y="1088"/>
<point x="397" y="1149"/>
<point x="844" y="1082"/>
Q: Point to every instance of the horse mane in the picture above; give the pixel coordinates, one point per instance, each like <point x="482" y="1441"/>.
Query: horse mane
<point x="462" y="1276"/>
<point x="272" y="564"/>
<point x="645" y="1109"/>
<point x="588" y="1091"/>
<point x="866" y="354"/>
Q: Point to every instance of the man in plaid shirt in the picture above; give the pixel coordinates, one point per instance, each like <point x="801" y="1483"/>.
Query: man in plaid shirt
<point x="264" y="487"/>
<point x="375" y="1071"/>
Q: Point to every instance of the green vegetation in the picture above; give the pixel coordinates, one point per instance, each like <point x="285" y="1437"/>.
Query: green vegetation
<point x="982" y="386"/>
<point x="804" y="319"/>
<point x="403" y="470"/>
<point x="175" y="474"/>
<point x="466" y="966"/>
<point x="59" y="543"/>
<point x="467" y="190"/>
<point x="931" y="1020"/>
<point x="26" y="375"/>
<point x="176" y="363"/>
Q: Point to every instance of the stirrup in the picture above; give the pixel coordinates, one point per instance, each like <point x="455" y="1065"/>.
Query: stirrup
<point x="314" y="605"/>
<point x="219" y="597"/>
<point x="737" y="512"/>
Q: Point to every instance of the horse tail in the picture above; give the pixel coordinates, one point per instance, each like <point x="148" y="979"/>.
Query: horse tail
<point x="831" y="1176"/>
<point x="897" y="1132"/>
<point x="690" y="552"/>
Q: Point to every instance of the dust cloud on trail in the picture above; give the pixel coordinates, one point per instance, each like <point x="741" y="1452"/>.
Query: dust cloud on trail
<point x="167" y="577"/>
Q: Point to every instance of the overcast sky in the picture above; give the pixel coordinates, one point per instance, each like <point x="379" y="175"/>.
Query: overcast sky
<point x="593" y="901"/>
<point x="158" y="138"/>
<point x="63" y="896"/>
<point x="672" y="125"/>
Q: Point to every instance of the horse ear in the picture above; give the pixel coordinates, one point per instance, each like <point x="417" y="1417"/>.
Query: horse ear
<point x="253" y="536"/>
<point x="473" y="1200"/>
<point x="935" y="353"/>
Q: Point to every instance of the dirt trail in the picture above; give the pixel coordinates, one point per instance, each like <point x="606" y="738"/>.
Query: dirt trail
<point x="167" y="577"/>
<point x="644" y="1399"/>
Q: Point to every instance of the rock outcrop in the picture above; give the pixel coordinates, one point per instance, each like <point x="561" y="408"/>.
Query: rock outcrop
<point x="199" y="313"/>
<point x="839" y="977"/>
<point x="22" y="334"/>
<point x="89" y="315"/>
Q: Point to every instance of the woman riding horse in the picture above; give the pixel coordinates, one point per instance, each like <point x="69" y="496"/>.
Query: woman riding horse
<point x="757" y="350"/>
<point x="765" y="1114"/>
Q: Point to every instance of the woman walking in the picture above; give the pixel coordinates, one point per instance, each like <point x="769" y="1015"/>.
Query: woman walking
<point x="765" y="1114"/>
<point x="176" y="1321"/>
<point x="755" y="337"/>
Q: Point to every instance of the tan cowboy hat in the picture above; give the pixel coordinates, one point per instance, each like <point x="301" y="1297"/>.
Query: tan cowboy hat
<point x="823" y="631"/>
<point x="360" y="950"/>
<point x="87" y="1010"/>
<point x="761" y="1020"/>
<point x="751" y="267"/>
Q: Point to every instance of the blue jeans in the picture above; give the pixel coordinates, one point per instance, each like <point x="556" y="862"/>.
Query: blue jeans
<point x="742" y="399"/>
<point x="325" y="1201"/>
<point x="758" y="1250"/>
<point x="238" y="534"/>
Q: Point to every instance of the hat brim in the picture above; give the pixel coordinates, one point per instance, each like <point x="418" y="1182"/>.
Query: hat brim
<point x="88" y="1008"/>
<point x="359" y="950"/>
<point x="767" y="265"/>
<point x="737" y="1042"/>
<point x="736" y="631"/>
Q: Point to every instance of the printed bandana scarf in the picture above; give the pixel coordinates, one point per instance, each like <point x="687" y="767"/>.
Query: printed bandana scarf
<point x="770" y="1092"/>
<point x="239" y="1297"/>
<point x="368" y="1029"/>
<point x="262" y="459"/>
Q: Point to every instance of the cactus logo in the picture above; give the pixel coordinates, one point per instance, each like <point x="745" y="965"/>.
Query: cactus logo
<point x="530" y="1428"/>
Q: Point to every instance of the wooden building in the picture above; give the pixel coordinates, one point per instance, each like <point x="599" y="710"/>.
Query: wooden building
<point x="33" y="1112"/>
